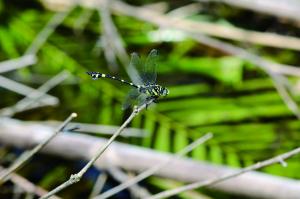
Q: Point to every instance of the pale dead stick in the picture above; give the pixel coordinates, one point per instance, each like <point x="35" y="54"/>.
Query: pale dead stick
<point x="4" y="175"/>
<point x="154" y="169"/>
<point x="24" y="90"/>
<point x="278" y="159"/>
<point x="27" y="185"/>
<point x="17" y="63"/>
<point x="76" y="177"/>
<point x="34" y="96"/>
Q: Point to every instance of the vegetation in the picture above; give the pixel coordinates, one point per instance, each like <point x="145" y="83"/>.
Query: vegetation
<point x="211" y="90"/>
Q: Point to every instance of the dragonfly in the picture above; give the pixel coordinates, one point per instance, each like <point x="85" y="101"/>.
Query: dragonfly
<point x="144" y="88"/>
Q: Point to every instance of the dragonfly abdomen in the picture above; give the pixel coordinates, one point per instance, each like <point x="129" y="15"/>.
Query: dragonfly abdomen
<point x="97" y="75"/>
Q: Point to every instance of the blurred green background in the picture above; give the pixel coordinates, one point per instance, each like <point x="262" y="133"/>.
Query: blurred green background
<point x="210" y="90"/>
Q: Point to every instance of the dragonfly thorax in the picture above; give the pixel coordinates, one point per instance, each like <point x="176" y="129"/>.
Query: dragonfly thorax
<point x="153" y="90"/>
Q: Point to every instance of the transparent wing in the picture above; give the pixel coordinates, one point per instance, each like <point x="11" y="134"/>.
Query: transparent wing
<point x="142" y="99"/>
<point x="149" y="72"/>
<point x="131" y="98"/>
<point x="135" y="62"/>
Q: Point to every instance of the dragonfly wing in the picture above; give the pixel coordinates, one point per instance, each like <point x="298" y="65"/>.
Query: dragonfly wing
<point x="142" y="99"/>
<point x="149" y="72"/>
<point x="135" y="62"/>
<point x="131" y="98"/>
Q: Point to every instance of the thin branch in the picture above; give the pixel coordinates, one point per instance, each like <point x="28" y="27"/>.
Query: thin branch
<point x="200" y="27"/>
<point x="17" y="63"/>
<point x="27" y="155"/>
<point x="196" y="185"/>
<point x="76" y="177"/>
<point x="29" y="195"/>
<point x="99" y="184"/>
<point x="48" y="29"/>
<point x="105" y="40"/>
<point x="185" y="11"/>
<point x="111" y="32"/>
<point x="136" y="190"/>
<point x="24" y="90"/>
<point x="288" y="9"/>
<point x="21" y="134"/>
<point x="82" y="20"/>
<point x="35" y="96"/>
<point x="99" y="129"/>
<point x="27" y="185"/>
<point x="190" y="28"/>
<point x="269" y="67"/>
<point x="112" y="38"/>
<point x="154" y="169"/>
<point x="17" y="192"/>
<point x="287" y="98"/>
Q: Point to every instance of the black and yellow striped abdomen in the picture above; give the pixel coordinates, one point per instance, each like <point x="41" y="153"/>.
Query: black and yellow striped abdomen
<point x="97" y="75"/>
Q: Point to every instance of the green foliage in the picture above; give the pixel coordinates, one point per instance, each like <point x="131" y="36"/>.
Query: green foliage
<point x="209" y="91"/>
<point x="53" y="177"/>
<point x="225" y="69"/>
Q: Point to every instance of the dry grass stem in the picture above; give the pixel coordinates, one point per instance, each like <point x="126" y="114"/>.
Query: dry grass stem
<point x="34" y="96"/>
<point x="76" y="177"/>
<point x="135" y="190"/>
<point x="4" y="175"/>
<point x="82" y="20"/>
<point x="13" y="64"/>
<point x="288" y="9"/>
<point x="189" y="28"/>
<point x="28" y="186"/>
<point x="196" y="185"/>
<point x="154" y="169"/>
<point x="269" y="67"/>
<point x="24" y="90"/>
<point x="200" y="27"/>
<point x="48" y="29"/>
<point x="98" y="129"/>
<point x="99" y="184"/>
<point x="113" y="43"/>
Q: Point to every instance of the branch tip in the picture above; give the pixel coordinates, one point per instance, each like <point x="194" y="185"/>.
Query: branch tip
<point x="73" y="115"/>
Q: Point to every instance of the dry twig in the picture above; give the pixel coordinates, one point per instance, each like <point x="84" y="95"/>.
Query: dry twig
<point x="199" y="27"/>
<point x="278" y="159"/>
<point x="24" y="90"/>
<point x="97" y="129"/>
<point x="182" y="24"/>
<point x="267" y="39"/>
<point x="34" y="96"/>
<point x="4" y="175"/>
<point x="82" y="20"/>
<point x="154" y="169"/>
<point x="99" y="184"/>
<point x="48" y="29"/>
<point x="269" y="67"/>
<point x="17" y="63"/>
<point x="285" y="9"/>
<point x="136" y="190"/>
<point x="27" y="185"/>
<point x="134" y="158"/>
<point x="112" y="41"/>
<point x="76" y="177"/>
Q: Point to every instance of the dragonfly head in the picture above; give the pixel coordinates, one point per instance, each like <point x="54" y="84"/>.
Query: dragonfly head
<point x="165" y="91"/>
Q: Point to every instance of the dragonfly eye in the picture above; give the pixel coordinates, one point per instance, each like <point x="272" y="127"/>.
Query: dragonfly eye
<point x="165" y="92"/>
